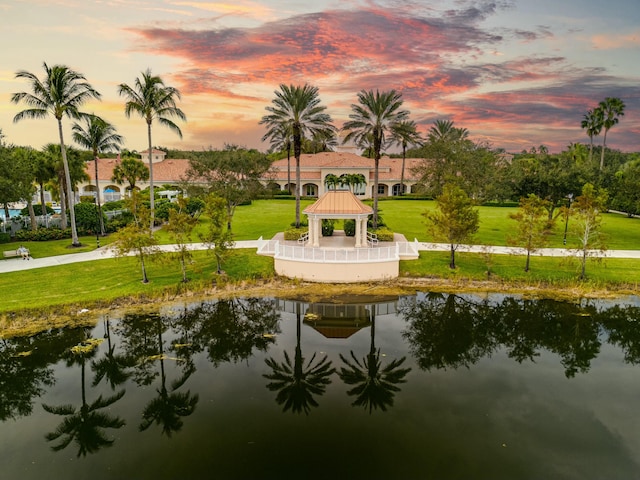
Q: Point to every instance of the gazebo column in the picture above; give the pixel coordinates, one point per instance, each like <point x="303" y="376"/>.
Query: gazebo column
<point x="358" y="232"/>
<point x="363" y="231"/>
<point x="317" y="230"/>
<point x="310" y="232"/>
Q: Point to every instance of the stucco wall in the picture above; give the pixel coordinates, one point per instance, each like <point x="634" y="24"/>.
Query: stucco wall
<point x="337" y="272"/>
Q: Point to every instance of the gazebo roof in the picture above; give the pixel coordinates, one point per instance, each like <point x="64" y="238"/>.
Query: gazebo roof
<point x="338" y="202"/>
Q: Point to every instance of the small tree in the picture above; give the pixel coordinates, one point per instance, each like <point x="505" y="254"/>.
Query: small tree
<point x="455" y="220"/>
<point x="218" y="238"/>
<point x="136" y="237"/>
<point x="131" y="170"/>
<point x="180" y="228"/>
<point x="587" y="222"/>
<point x="533" y="226"/>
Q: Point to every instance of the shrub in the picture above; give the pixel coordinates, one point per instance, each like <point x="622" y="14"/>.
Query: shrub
<point x="87" y="219"/>
<point x="43" y="234"/>
<point x="117" y="205"/>
<point x="37" y="210"/>
<point x="162" y="208"/>
<point x="384" y="234"/>
<point x="294" y="233"/>
<point x="350" y="228"/>
<point x="194" y="206"/>
<point x="327" y="227"/>
<point x="87" y="199"/>
<point x="5" y="237"/>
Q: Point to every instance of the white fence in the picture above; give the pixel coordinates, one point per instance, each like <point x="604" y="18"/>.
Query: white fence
<point x="340" y="255"/>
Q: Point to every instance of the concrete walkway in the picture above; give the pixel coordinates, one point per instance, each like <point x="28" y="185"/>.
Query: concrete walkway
<point x="17" y="264"/>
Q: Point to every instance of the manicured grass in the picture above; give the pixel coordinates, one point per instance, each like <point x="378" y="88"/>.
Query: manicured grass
<point x="510" y="268"/>
<point x="58" y="247"/>
<point x="111" y="279"/>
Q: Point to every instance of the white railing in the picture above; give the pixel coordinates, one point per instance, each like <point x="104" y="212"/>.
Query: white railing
<point x="304" y="238"/>
<point x="372" y="239"/>
<point x="409" y="249"/>
<point x="312" y="254"/>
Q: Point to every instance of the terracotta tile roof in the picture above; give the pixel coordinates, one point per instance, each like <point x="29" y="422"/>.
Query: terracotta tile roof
<point x="167" y="171"/>
<point x="338" y="202"/>
<point x="312" y="164"/>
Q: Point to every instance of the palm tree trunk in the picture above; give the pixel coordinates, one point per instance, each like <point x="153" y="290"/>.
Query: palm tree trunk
<point x="375" y="190"/>
<point x="151" y="195"/>
<point x="604" y="147"/>
<point x="70" y="200"/>
<point x="95" y="156"/>
<point x="43" y="206"/>
<point x="297" y="147"/>
<point x="32" y="215"/>
<point x="63" y="206"/>
<point x="404" y="153"/>
<point x="289" y="169"/>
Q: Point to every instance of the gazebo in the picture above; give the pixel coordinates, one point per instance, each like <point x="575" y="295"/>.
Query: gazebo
<point x="334" y="205"/>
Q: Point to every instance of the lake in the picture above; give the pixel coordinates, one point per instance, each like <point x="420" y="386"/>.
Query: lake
<point x="427" y="386"/>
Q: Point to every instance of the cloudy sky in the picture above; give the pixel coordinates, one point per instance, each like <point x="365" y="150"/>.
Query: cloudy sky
<point x="517" y="73"/>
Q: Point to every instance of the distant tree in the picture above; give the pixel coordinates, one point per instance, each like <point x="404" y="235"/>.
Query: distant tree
<point x="455" y="220"/>
<point x="281" y="138"/>
<point x="331" y="181"/>
<point x="444" y="131"/>
<point x="98" y="136"/>
<point x="612" y="109"/>
<point x="533" y="226"/>
<point x="43" y="173"/>
<point x="626" y="189"/>
<point x="373" y="117"/>
<point x="592" y="124"/>
<point x="60" y="92"/>
<point x="131" y="170"/>
<point x="405" y="134"/>
<point x="353" y="180"/>
<point x="297" y="107"/>
<point x="233" y="174"/>
<point x="136" y="237"/>
<point x="586" y="215"/>
<point x="180" y="228"/>
<point x="152" y="100"/>
<point x="218" y="238"/>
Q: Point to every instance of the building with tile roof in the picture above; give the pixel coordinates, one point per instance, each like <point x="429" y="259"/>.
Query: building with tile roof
<point x="314" y="169"/>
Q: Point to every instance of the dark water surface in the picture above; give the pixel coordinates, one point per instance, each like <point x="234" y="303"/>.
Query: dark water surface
<point x="433" y="386"/>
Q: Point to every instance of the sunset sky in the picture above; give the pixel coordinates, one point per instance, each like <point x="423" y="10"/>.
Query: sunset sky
<point x="516" y="73"/>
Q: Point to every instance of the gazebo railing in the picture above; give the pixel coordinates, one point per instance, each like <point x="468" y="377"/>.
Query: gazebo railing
<point x="322" y="255"/>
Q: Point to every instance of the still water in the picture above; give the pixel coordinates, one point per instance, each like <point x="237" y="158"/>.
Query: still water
<point x="430" y="386"/>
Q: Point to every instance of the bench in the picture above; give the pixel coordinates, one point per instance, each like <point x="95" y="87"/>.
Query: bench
<point x="13" y="253"/>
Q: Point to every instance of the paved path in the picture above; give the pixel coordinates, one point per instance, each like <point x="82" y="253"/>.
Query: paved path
<point x="17" y="264"/>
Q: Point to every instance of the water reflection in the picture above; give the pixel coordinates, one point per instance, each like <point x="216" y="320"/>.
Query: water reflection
<point x="454" y="375"/>
<point x="296" y="383"/>
<point x="373" y="386"/>
<point x="85" y="425"/>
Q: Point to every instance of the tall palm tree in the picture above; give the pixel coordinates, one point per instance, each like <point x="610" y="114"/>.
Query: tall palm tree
<point x="151" y="99"/>
<point x="299" y="107"/>
<point x="592" y="123"/>
<point x="60" y="92"/>
<point x="281" y="138"/>
<point x="374" y="115"/>
<point x="443" y="130"/>
<point x="612" y="109"/>
<point x="97" y="135"/>
<point x="405" y="133"/>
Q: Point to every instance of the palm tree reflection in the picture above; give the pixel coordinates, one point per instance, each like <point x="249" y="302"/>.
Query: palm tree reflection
<point x="374" y="386"/>
<point x="297" y="382"/>
<point x="84" y="426"/>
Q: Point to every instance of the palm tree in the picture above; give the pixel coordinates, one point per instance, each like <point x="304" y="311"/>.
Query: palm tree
<point x="331" y="181"/>
<point x="61" y="92"/>
<point x="374" y="115"/>
<point x="98" y="135"/>
<point x="405" y="133"/>
<point x="152" y="99"/>
<point x="612" y="108"/>
<point x="443" y="130"/>
<point x="299" y="108"/>
<point x="592" y="123"/>
<point x="130" y="169"/>
<point x="281" y="138"/>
